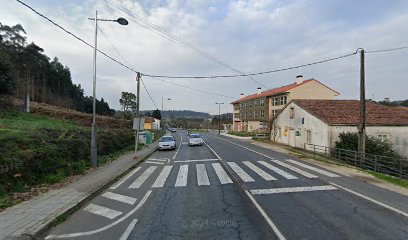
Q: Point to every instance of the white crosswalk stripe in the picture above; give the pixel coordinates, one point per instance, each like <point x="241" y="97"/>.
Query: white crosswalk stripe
<point x="277" y="170"/>
<point x="321" y="171"/>
<point x="122" y="180"/>
<point x="240" y="172"/>
<point x="102" y="211"/>
<point x="182" y="176"/>
<point x="295" y="169"/>
<point x="120" y="198"/>
<point x="161" y="179"/>
<point x="221" y="174"/>
<point x="142" y="178"/>
<point x="202" y="177"/>
<point x="151" y="162"/>
<point x="259" y="171"/>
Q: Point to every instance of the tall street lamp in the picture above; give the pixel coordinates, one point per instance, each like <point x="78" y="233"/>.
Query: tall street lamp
<point x="121" y="21"/>
<point x="162" y="113"/>
<point x="219" y="117"/>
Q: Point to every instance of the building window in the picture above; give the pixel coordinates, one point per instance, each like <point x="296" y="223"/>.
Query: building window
<point x="292" y="113"/>
<point x="250" y="105"/>
<point x="249" y="114"/>
<point x="245" y="105"/>
<point x="246" y="114"/>
<point x="262" y="103"/>
<point x="255" y="114"/>
<point x="236" y="115"/>
<point x="309" y="137"/>
<point x="256" y="103"/>
<point x="262" y="112"/>
<point x="283" y="100"/>
<point x="236" y="107"/>
<point x="274" y="101"/>
<point x="274" y="113"/>
<point x="383" y="137"/>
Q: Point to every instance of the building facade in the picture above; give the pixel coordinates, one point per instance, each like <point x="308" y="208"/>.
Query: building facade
<point x="320" y="122"/>
<point x="254" y="113"/>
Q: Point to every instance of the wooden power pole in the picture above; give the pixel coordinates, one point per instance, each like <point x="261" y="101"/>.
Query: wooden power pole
<point x="361" y="127"/>
<point x="138" y="76"/>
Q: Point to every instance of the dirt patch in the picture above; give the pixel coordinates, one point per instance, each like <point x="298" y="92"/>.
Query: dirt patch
<point x="84" y="119"/>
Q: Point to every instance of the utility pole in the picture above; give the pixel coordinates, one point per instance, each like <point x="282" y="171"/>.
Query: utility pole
<point x="137" y="111"/>
<point x="94" y="151"/>
<point x="219" y="117"/>
<point x="361" y="127"/>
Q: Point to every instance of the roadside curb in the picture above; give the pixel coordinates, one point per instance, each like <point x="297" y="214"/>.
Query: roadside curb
<point x="236" y="137"/>
<point x="69" y="211"/>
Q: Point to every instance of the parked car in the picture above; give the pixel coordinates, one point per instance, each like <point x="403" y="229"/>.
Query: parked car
<point x="167" y="142"/>
<point x="195" y="139"/>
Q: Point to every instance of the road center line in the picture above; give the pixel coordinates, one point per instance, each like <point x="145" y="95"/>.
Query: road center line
<point x="293" y="189"/>
<point x="129" y="229"/>
<point x="181" y="140"/>
<point x="71" y="235"/>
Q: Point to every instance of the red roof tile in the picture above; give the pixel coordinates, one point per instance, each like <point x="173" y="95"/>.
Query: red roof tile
<point x="276" y="91"/>
<point x="346" y="112"/>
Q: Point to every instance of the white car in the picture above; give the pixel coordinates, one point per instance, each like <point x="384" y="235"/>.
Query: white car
<point x="167" y="142"/>
<point x="195" y="139"/>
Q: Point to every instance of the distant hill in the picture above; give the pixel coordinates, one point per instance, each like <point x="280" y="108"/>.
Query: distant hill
<point x="186" y="114"/>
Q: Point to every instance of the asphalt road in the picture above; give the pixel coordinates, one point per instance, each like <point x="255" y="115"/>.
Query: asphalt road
<point x="229" y="189"/>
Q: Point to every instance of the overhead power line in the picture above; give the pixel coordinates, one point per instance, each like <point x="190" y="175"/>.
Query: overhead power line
<point x="124" y="59"/>
<point x="177" y="40"/>
<point x="257" y="73"/>
<point x="387" y="50"/>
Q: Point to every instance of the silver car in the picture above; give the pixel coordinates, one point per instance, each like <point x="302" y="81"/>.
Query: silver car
<point x="195" y="139"/>
<point x="167" y="142"/>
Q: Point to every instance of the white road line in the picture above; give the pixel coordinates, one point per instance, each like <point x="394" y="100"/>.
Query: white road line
<point x="161" y="179"/>
<point x="221" y="174"/>
<point x="259" y="171"/>
<point x="122" y="180"/>
<point x="295" y="169"/>
<point x="197" y="160"/>
<point x="128" y="230"/>
<point x="240" y="172"/>
<point x="156" y="159"/>
<point x="160" y="163"/>
<point x="202" y="177"/>
<point x="182" y="176"/>
<point x="212" y="150"/>
<point x="142" y="178"/>
<point x="120" y="198"/>
<point x="181" y="140"/>
<point x="278" y="170"/>
<point x="371" y="200"/>
<point x="102" y="211"/>
<point x="293" y="189"/>
<point x="268" y="220"/>
<point x="78" y="234"/>
<point x="321" y="171"/>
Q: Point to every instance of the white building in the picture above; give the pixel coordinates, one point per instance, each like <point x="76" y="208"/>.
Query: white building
<point x="320" y="122"/>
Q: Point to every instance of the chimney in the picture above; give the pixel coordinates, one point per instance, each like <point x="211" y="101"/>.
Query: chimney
<point x="387" y="99"/>
<point x="241" y="95"/>
<point x="259" y="90"/>
<point x="299" y="79"/>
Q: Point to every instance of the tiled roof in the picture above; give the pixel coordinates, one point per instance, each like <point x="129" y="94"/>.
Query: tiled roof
<point x="346" y="112"/>
<point x="276" y="91"/>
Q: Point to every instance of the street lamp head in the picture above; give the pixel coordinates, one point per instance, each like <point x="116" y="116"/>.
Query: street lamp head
<point x="122" y="21"/>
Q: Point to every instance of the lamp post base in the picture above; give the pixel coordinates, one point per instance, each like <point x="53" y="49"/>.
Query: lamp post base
<point x="94" y="152"/>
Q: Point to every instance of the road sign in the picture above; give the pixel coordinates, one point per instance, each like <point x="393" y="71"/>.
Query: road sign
<point x="138" y="124"/>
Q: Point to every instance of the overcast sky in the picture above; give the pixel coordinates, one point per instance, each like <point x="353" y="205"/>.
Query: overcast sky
<point x="251" y="36"/>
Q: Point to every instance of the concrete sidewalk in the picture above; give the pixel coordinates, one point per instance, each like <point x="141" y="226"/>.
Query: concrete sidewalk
<point x="29" y="219"/>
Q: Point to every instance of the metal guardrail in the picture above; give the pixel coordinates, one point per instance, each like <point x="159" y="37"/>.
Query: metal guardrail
<point x="397" y="167"/>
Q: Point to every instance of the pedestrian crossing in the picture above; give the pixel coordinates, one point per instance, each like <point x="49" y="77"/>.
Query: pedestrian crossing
<point x="207" y="174"/>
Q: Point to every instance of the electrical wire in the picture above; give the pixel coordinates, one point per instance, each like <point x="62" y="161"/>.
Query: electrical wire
<point x="124" y="59"/>
<point x="175" y="39"/>
<point x="387" y="50"/>
<point x="256" y="73"/>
